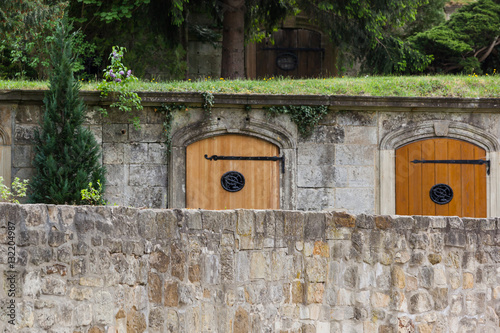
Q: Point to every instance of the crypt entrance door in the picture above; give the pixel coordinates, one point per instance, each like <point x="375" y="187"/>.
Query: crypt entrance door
<point x="441" y="176"/>
<point x="222" y="172"/>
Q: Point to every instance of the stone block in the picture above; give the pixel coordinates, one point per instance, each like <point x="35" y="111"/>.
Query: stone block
<point x="455" y="222"/>
<point x="178" y="262"/>
<point x="354" y="154"/>
<point x="112" y="133"/>
<point x="360" y="176"/>
<point x="242" y="324"/>
<point x="316" y="269"/>
<point x="321" y="176"/>
<point x="355" y="200"/>
<point x="245" y="228"/>
<point x="365" y="221"/>
<point x="227" y="264"/>
<point x="420" y="302"/>
<point x="360" y="135"/>
<point x="23" y="156"/>
<point x="136" y="321"/>
<point x="113" y="153"/>
<point x="157" y="153"/>
<point x="97" y="133"/>
<point x="455" y="238"/>
<point x="259" y="265"/>
<point x="315" y="199"/>
<point x="325" y="135"/>
<point x="242" y="266"/>
<point x="136" y="153"/>
<point x="103" y="308"/>
<point x="419" y="240"/>
<point x="384" y="222"/>
<point x="147" y="226"/>
<point x="468" y="281"/>
<point x="315" y="226"/>
<point x="440" y="297"/>
<point x="315" y="293"/>
<point x="26" y="114"/>
<point x="313" y="154"/>
<point x="293" y="223"/>
<point x="217" y="221"/>
<point x="147" y="133"/>
<point x="398" y="277"/>
<point x="159" y="260"/>
<point x="166" y="225"/>
<point x="144" y="175"/>
<point x="24" y="134"/>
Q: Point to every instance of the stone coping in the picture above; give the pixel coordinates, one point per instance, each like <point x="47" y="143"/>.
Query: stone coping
<point x="334" y="101"/>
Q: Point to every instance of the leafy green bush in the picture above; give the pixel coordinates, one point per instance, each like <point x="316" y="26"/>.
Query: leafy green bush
<point x="18" y="190"/>
<point x="92" y="196"/>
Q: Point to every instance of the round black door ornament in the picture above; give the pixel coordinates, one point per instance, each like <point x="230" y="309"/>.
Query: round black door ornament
<point x="287" y="61"/>
<point x="441" y="194"/>
<point x="232" y="181"/>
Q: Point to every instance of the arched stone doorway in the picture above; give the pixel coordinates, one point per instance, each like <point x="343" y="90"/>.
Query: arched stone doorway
<point x="232" y="171"/>
<point x="437" y="129"/>
<point x="279" y="142"/>
<point x="441" y="176"/>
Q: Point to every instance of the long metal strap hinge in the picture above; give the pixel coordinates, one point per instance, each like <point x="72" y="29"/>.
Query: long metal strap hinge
<point x="250" y="158"/>
<point x="479" y="162"/>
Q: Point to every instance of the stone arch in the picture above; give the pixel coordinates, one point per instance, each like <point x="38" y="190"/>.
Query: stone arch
<point x="432" y="129"/>
<point x="4" y="138"/>
<point x="5" y="156"/>
<point x="211" y="127"/>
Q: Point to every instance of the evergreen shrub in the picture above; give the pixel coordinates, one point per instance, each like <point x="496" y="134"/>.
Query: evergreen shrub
<point x="67" y="156"/>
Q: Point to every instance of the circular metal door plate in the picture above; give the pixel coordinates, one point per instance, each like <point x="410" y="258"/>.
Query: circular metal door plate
<point x="441" y="194"/>
<point x="232" y="181"/>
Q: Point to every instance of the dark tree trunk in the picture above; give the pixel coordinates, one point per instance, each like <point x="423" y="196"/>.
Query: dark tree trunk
<point x="233" y="40"/>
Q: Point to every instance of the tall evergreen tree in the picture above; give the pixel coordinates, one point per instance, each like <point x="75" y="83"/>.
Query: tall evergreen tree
<point x="66" y="153"/>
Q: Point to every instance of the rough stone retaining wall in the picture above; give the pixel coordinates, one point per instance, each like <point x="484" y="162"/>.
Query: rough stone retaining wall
<point x="117" y="269"/>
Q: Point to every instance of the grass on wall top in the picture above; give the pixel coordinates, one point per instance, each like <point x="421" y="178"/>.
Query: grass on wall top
<point x="471" y="86"/>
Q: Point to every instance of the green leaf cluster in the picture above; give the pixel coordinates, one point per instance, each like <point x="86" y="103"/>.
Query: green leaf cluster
<point x="468" y="42"/>
<point x="19" y="189"/>
<point x="304" y="116"/>
<point x="67" y="156"/>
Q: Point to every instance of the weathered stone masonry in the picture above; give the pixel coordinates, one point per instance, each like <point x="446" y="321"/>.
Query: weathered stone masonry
<point x="346" y="164"/>
<point x="117" y="269"/>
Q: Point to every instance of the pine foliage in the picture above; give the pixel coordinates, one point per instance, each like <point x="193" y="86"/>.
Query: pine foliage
<point x="66" y="154"/>
<point x="468" y="42"/>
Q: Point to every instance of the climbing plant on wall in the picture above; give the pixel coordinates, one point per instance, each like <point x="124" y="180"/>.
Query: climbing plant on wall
<point x="304" y="116"/>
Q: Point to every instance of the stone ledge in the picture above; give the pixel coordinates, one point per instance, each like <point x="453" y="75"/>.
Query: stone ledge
<point x="337" y="102"/>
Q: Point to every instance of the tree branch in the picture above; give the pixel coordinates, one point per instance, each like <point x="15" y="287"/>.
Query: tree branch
<point x="488" y="51"/>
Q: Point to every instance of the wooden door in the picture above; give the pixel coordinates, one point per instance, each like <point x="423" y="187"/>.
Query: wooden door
<point x="204" y="188"/>
<point x="465" y="183"/>
<point x="293" y="53"/>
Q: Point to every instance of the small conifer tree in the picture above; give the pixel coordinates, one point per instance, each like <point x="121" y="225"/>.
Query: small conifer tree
<point x="67" y="156"/>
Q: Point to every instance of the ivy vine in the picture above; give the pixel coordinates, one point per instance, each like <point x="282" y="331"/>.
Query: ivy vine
<point x="304" y="116"/>
<point x="168" y="111"/>
<point x="208" y="102"/>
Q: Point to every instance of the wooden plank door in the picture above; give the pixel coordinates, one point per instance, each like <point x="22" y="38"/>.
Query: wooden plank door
<point x="414" y="181"/>
<point x="203" y="177"/>
<point x="299" y="49"/>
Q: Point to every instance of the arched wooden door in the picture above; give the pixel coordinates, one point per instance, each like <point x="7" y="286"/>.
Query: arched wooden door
<point x="234" y="183"/>
<point x="441" y="177"/>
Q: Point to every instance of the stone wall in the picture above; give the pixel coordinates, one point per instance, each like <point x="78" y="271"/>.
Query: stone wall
<point x="117" y="269"/>
<point x="346" y="164"/>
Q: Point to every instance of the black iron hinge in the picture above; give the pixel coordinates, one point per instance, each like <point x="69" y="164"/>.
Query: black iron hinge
<point x="250" y="158"/>
<point x="479" y="162"/>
